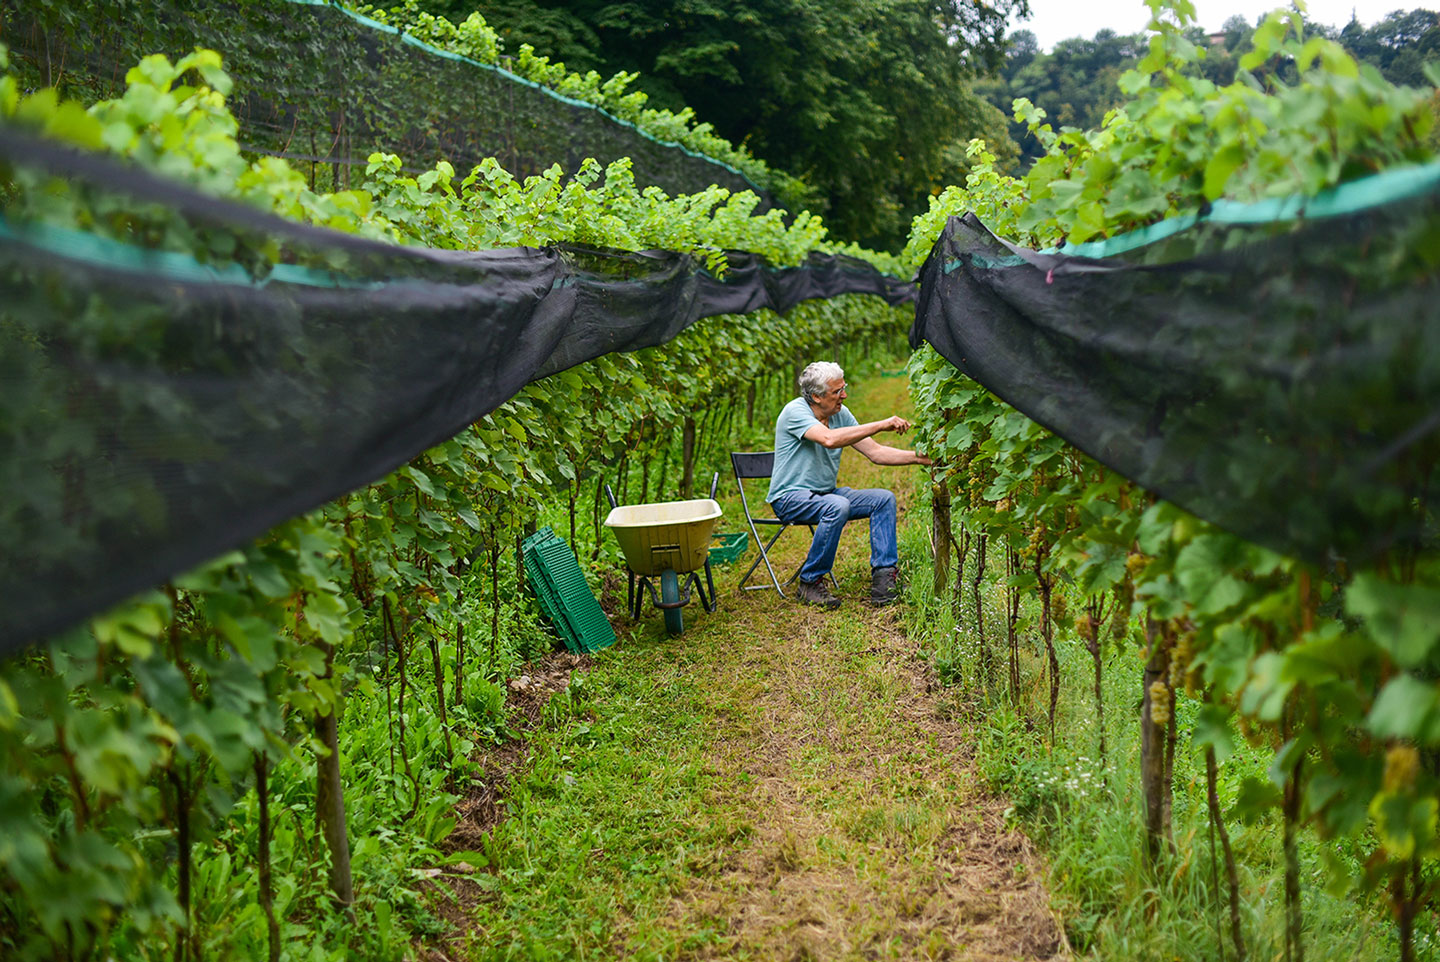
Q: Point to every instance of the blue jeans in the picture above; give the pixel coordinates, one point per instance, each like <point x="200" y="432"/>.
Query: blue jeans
<point x="829" y="512"/>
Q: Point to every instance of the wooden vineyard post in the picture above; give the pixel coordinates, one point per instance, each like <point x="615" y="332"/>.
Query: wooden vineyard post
<point x="262" y="856"/>
<point x="1047" y="632"/>
<point x="940" y="534"/>
<point x="1290" y="804"/>
<point x="1093" y="621"/>
<point x="1012" y="617"/>
<point x="439" y="672"/>
<point x="459" y="697"/>
<point x="330" y="795"/>
<point x="1154" y="721"/>
<point x="184" y="938"/>
<point x="983" y="669"/>
<point x="495" y="591"/>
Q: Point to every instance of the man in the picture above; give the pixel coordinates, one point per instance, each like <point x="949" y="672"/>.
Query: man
<point x="810" y="434"/>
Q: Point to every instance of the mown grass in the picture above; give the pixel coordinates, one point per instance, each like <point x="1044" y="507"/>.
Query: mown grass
<point x="773" y="784"/>
<point x="609" y="815"/>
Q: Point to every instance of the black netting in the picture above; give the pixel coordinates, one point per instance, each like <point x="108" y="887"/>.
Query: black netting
<point x="155" y="409"/>
<point x="316" y="85"/>
<point x="1279" y="378"/>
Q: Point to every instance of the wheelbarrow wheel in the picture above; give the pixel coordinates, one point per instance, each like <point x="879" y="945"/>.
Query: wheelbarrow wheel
<point x="670" y="594"/>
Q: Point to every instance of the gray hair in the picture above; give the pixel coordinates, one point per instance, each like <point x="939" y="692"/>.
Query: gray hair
<point x="815" y="379"/>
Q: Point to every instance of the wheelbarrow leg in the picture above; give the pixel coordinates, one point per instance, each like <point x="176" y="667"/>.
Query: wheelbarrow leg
<point x="630" y="595"/>
<point x="712" y="601"/>
<point x="693" y="580"/>
<point x="641" y="585"/>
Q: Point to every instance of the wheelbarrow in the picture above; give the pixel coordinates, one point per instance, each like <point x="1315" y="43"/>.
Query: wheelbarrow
<point x="667" y="543"/>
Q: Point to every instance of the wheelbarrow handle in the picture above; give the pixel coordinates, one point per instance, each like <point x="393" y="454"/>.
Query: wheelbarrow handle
<point x="611" y="495"/>
<point x="714" y="484"/>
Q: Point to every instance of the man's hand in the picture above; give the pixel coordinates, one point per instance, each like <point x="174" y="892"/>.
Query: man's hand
<point x="897" y="424"/>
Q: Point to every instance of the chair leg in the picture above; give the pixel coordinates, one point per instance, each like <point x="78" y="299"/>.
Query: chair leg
<point x="765" y="557"/>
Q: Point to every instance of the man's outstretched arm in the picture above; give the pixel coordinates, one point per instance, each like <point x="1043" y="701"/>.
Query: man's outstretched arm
<point x="884" y="454"/>
<point x="828" y="437"/>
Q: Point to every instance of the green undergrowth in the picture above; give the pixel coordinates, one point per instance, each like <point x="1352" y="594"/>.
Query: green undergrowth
<point x="1084" y="814"/>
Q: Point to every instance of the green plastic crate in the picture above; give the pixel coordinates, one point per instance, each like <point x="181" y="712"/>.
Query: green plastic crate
<point x="728" y="547"/>
<point x="550" y="605"/>
<point x="565" y="597"/>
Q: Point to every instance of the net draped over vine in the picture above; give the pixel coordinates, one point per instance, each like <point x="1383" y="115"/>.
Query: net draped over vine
<point x="1273" y="368"/>
<point x="158" y="409"/>
<point x="315" y="83"/>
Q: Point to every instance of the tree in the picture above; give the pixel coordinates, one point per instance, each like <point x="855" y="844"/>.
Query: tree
<point x="1075" y="84"/>
<point x="553" y="31"/>
<point x="865" y="99"/>
<point x="1398" y="45"/>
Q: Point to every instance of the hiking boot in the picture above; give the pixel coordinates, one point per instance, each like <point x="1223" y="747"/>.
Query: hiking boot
<point x="816" y="593"/>
<point x="884" y="585"/>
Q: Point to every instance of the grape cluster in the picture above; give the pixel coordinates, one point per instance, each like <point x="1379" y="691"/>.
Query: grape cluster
<point x="1180" y="658"/>
<point x="1160" y="702"/>
<point x="976" y="489"/>
<point x="1059" y="608"/>
<point x="1402" y="764"/>
<point x="1037" y="540"/>
<point x="1124" y="598"/>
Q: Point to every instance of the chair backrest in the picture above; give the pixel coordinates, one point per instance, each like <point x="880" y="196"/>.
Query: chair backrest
<point x="759" y="464"/>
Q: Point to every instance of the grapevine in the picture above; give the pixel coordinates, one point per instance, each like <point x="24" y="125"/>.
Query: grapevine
<point x="1226" y="622"/>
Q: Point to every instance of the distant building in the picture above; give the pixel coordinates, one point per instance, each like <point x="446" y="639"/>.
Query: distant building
<point x="1216" y="39"/>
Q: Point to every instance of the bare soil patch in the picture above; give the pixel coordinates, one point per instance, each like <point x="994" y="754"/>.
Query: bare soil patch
<point x="870" y="837"/>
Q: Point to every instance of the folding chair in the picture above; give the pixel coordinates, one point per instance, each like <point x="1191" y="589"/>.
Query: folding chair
<point x="754" y="466"/>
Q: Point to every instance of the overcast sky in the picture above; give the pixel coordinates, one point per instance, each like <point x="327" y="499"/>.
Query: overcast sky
<point x="1052" y="20"/>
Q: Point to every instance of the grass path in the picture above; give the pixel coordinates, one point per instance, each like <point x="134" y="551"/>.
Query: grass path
<point x="779" y="783"/>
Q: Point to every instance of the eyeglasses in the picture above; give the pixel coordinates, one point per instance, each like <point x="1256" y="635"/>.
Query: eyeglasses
<point x="842" y="391"/>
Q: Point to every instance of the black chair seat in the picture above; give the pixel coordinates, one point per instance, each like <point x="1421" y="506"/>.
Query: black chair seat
<point x="753" y="466"/>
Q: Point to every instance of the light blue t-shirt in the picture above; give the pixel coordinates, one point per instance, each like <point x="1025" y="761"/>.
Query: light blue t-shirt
<point x="802" y="465"/>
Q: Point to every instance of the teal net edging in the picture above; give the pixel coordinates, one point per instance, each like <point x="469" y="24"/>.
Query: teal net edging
<point x="1385" y="187"/>
<point x="160" y="409"/>
<point x="1272" y="367"/>
<point x="516" y="78"/>
<point x="325" y="87"/>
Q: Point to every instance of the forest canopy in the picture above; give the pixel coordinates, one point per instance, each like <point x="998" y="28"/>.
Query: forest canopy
<point x="1075" y="83"/>
<point x="869" y="101"/>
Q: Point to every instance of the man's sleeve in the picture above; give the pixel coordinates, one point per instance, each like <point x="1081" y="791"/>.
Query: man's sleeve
<point x="796" y="423"/>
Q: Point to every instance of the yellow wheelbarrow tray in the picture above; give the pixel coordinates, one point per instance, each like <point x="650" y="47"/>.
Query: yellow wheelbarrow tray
<point x="667" y="542"/>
